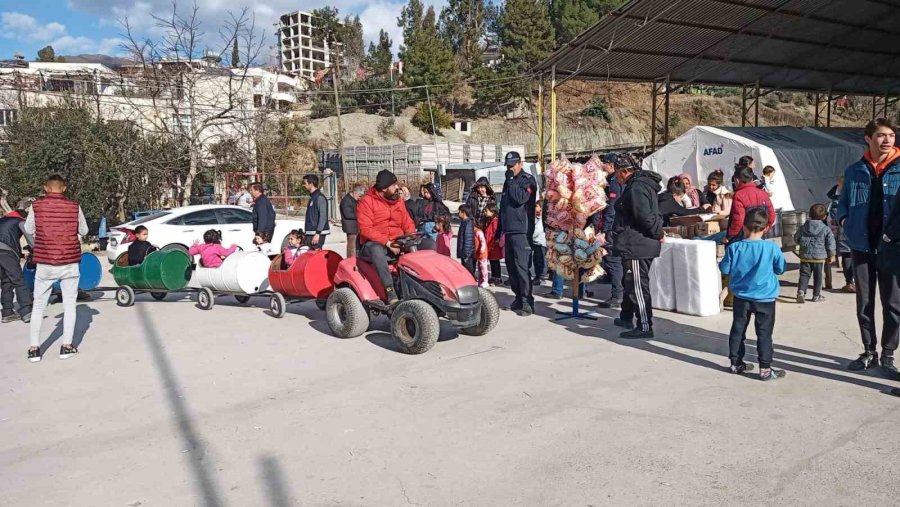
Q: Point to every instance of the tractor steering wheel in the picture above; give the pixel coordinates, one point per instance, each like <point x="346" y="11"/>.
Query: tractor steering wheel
<point x="409" y="242"/>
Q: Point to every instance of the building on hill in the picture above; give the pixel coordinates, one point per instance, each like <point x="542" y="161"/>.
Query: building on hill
<point x="299" y="52"/>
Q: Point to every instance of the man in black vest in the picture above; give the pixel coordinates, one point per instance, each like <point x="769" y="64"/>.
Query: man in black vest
<point x="316" y="224"/>
<point x="12" y="228"/>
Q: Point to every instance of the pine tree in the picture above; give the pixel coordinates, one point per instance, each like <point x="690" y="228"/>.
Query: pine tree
<point x="235" y="54"/>
<point x="571" y="17"/>
<point x="354" y="50"/>
<point x="526" y="38"/>
<point x="380" y="57"/>
<point x="427" y="57"/>
<point x="463" y="24"/>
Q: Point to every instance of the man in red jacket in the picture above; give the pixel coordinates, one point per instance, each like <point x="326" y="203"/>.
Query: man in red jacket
<point x="747" y="196"/>
<point x="57" y="223"/>
<point x="382" y="217"/>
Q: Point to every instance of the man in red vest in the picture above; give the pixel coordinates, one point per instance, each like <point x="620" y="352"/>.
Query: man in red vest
<point x="57" y="224"/>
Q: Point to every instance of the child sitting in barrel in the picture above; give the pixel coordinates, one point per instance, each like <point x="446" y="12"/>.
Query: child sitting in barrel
<point x="295" y="247"/>
<point x="140" y="248"/>
<point x="263" y="240"/>
<point x="211" y="251"/>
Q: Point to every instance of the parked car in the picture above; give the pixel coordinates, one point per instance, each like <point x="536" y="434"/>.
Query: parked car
<point x="179" y="228"/>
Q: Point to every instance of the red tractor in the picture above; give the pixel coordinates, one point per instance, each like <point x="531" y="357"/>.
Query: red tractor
<point x="430" y="286"/>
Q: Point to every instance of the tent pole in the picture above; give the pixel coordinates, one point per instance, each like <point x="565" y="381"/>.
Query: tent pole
<point x="540" y="124"/>
<point x="828" y="113"/>
<point x="756" y="106"/>
<point x="553" y="113"/>
<point x="666" y="124"/>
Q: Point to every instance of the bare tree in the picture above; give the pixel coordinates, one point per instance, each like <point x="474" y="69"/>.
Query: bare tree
<point x="178" y="86"/>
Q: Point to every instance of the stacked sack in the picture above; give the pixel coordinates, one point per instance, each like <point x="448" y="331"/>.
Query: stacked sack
<point x="574" y="193"/>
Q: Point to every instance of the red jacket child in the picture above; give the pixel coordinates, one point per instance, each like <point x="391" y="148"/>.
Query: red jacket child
<point x="747" y="196"/>
<point x="495" y="253"/>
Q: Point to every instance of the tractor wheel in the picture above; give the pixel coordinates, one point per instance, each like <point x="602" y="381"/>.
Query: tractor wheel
<point x="345" y="313"/>
<point x="490" y="314"/>
<point x="242" y="299"/>
<point x="206" y="299"/>
<point x="415" y="325"/>
<point x="159" y="296"/>
<point x="125" y="296"/>
<point x="321" y="304"/>
<point x="277" y="305"/>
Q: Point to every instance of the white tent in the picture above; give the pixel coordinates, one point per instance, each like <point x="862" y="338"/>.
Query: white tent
<point x="807" y="161"/>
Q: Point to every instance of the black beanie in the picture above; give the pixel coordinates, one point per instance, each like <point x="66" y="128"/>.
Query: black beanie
<point x="384" y="179"/>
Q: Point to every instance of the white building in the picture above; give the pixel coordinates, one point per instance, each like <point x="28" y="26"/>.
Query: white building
<point x="299" y="53"/>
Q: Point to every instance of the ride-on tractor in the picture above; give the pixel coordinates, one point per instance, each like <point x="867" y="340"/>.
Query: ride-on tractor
<point x="429" y="285"/>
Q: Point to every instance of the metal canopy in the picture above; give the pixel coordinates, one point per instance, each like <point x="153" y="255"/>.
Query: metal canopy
<point x="839" y="46"/>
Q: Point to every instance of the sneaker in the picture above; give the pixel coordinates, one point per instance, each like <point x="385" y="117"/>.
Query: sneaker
<point x="611" y="303"/>
<point x="637" y="334"/>
<point x="525" y="311"/>
<point x="801" y="298"/>
<point x="536" y="281"/>
<point x="83" y="296"/>
<point x="627" y="324"/>
<point x="26" y="318"/>
<point x="34" y="355"/>
<point x="865" y="361"/>
<point x="588" y="293"/>
<point x="495" y="281"/>
<point x="818" y="298"/>
<point x="553" y="295"/>
<point x="887" y="366"/>
<point x="392" y="298"/>
<point x="850" y="288"/>
<point x="67" y="352"/>
<point x="766" y="374"/>
<point x="741" y="368"/>
<point x="514" y="307"/>
<point x="10" y="318"/>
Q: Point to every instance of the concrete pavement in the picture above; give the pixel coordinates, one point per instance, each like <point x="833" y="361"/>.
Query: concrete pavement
<point x="168" y="405"/>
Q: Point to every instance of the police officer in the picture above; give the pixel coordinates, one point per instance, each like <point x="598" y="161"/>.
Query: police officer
<point x="611" y="263"/>
<point x="517" y="225"/>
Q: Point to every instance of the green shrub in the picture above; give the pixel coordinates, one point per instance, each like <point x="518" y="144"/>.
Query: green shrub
<point x="597" y="109"/>
<point x="422" y="118"/>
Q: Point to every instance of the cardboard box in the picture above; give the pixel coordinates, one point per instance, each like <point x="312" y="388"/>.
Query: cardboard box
<point x="708" y="228"/>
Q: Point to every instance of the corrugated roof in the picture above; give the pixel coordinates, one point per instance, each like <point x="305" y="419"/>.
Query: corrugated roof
<point x="847" y="46"/>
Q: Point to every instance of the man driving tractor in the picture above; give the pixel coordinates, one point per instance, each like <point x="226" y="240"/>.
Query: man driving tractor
<point x="382" y="218"/>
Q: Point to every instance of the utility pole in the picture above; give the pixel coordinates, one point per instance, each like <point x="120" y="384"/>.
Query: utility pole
<point x="337" y="108"/>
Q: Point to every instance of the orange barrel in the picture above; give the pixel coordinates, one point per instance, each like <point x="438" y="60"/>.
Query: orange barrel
<point x="310" y="276"/>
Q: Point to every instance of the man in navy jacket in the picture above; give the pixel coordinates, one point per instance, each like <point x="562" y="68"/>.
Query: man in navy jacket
<point x="263" y="212"/>
<point x="863" y="210"/>
<point x="611" y="263"/>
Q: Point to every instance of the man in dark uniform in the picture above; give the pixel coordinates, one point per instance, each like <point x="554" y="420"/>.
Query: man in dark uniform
<point x="611" y="263"/>
<point x="12" y="229"/>
<point x="517" y="225"/>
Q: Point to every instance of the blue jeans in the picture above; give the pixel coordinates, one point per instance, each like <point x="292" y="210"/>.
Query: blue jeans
<point x="559" y="285"/>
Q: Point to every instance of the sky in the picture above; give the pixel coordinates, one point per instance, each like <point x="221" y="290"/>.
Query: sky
<point x="95" y="26"/>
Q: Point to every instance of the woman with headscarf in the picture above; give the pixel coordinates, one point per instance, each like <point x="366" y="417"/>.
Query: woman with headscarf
<point x="480" y="197"/>
<point x="690" y="191"/>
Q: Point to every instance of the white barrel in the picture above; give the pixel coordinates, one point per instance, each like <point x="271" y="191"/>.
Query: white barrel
<point x="241" y="273"/>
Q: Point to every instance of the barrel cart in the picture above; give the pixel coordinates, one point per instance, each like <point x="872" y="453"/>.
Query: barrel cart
<point x="241" y="275"/>
<point x="90" y="273"/>
<point x="309" y="277"/>
<point x="161" y="273"/>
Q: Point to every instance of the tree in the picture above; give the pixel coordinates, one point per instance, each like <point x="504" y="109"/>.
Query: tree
<point x="526" y="38"/>
<point x="463" y="26"/>
<point x="427" y="58"/>
<point x="180" y="98"/>
<point x="46" y="54"/>
<point x="378" y="61"/>
<point x="571" y="17"/>
<point x="354" y="50"/>
<point x="235" y="55"/>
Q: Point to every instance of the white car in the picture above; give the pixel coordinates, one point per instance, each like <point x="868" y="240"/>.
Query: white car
<point x="180" y="228"/>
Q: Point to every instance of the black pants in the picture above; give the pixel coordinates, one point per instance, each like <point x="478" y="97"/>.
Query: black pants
<point x="764" y="322"/>
<point x="12" y="283"/>
<point x="495" y="269"/>
<point x="539" y="260"/>
<point x="867" y="277"/>
<point x="469" y="264"/>
<point x="636" y="286"/>
<point x="815" y="270"/>
<point x="378" y="255"/>
<point x="613" y="265"/>
<point x="847" y="264"/>
<point x="518" y="266"/>
<point x="317" y="246"/>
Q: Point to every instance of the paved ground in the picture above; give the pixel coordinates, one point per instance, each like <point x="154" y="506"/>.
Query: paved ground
<point x="168" y="405"/>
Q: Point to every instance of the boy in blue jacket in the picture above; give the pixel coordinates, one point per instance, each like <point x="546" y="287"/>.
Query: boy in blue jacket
<point x="465" y="239"/>
<point x="753" y="266"/>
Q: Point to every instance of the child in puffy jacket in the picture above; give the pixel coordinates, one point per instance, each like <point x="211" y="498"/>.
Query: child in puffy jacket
<point x="211" y="251"/>
<point x="295" y="247"/>
<point x="490" y="224"/>
<point x="465" y="239"/>
<point x="444" y="235"/>
<point x="817" y="246"/>
<point x="482" y="264"/>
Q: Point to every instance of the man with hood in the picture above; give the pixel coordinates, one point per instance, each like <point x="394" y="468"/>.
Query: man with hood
<point x="863" y="213"/>
<point x="480" y="197"/>
<point x="430" y="207"/>
<point x="12" y="229"/>
<point x="382" y="218"/>
<point x="639" y="234"/>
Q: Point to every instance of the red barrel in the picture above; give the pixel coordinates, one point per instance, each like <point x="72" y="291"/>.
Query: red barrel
<point x="310" y="276"/>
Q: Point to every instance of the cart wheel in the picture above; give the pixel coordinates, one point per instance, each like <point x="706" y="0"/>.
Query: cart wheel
<point x="345" y="314"/>
<point x="321" y="304"/>
<point x="278" y="305"/>
<point x="415" y="325"/>
<point x="242" y="299"/>
<point x="205" y="299"/>
<point x="125" y="296"/>
<point x="490" y="314"/>
<point x="159" y="296"/>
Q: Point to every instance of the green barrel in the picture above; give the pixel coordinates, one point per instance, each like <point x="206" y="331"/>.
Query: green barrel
<point x="162" y="271"/>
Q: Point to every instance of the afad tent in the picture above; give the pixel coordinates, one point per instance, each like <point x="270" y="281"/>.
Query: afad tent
<point x="807" y="161"/>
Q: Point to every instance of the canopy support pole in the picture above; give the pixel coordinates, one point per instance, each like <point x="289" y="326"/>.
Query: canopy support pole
<point x="830" y="105"/>
<point x="553" y="114"/>
<point x="660" y="91"/>
<point x="540" y="125"/>
<point x="750" y="100"/>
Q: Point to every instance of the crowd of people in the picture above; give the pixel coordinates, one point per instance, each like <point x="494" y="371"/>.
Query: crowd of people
<point x="859" y="226"/>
